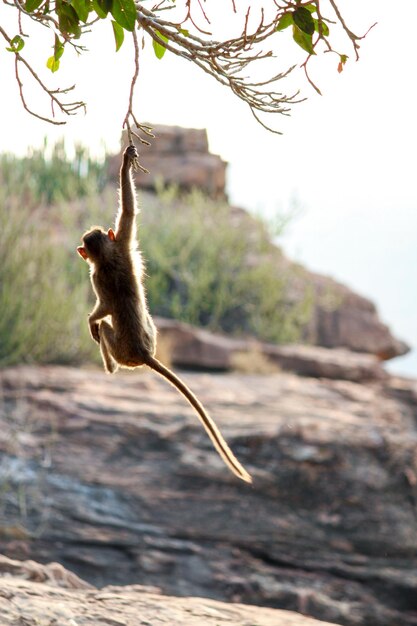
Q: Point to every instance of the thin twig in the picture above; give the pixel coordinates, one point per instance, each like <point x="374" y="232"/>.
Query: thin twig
<point x="347" y="30"/>
<point x="67" y="108"/>
<point x="130" y="116"/>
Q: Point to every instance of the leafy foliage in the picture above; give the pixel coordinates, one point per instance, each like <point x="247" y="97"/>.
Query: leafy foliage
<point x="304" y="25"/>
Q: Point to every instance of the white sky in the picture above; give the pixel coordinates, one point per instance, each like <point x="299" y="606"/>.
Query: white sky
<point x="346" y="160"/>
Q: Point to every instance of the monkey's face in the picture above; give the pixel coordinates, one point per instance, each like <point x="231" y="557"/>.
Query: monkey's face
<point x="96" y="245"/>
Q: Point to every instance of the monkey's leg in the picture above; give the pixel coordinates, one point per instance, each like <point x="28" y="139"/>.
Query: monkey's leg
<point x="107" y="347"/>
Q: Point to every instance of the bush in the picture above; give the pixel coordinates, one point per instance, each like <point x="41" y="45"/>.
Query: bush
<point x="48" y="176"/>
<point x="43" y="290"/>
<point x="215" y="267"/>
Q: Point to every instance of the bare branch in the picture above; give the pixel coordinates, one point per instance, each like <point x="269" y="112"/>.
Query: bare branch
<point x="224" y="60"/>
<point x="354" y="38"/>
<point x="68" y="108"/>
<point x="130" y="116"/>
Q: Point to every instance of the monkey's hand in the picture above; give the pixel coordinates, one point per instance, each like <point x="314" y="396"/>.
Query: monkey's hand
<point x="131" y="156"/>
<point x="95" y="330"/>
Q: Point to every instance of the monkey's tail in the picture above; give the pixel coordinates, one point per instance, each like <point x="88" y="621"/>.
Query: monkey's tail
<point x="211" y="428"/>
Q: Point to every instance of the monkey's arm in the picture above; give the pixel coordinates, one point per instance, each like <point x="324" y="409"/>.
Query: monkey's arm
<point x="97" y="314"/>
<point x="125" y="223"/>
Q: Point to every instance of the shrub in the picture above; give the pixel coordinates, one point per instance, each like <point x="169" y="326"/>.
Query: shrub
<point x="215" y="267"/>
<point x="43" y="292"/>
<point x="48" y="176"/>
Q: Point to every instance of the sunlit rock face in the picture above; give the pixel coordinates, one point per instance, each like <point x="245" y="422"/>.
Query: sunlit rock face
<point x="178" y="156"/>
<point x="115" y="479"/>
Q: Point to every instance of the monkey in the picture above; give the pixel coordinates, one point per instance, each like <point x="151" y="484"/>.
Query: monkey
<point x="120" y="321"/>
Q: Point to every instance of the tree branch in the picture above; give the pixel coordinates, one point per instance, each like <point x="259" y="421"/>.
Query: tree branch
<point x="228" y="61"/>
<point x="130" y="116"/>
<point x="68" y="108"/>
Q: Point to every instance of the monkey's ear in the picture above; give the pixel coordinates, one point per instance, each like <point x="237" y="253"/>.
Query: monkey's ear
<point x="111" y="235"/>
<point x="81" y="251"/>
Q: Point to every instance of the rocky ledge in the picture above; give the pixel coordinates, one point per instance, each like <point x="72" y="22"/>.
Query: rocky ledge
<point x="196" y="348"/>
<point x="114" y="478"/>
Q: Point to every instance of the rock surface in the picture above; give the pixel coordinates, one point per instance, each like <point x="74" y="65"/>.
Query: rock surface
<point x="197" y="348"/>
<point x="345" y="319"/>
<point x="178" y="156"/>
<point x="60" y="602"/>
<point x="114" y="478"/>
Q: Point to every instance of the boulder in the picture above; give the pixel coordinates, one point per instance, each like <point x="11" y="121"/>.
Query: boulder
<point x="196" y="348"/>
<point x="178" y="156"/>
<point x="343" y="318"/>
<point x="115" y="479"/>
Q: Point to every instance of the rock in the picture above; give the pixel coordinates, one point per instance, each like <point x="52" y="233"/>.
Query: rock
<point x="178" y="156"/>
<point x="342" y="318"/>
<point x="338" y="364"/>
<point x="195" y="348"/>
<point x="32" y="603"/>
<point x="51" y="573"/>
<point x="114" y="478"/>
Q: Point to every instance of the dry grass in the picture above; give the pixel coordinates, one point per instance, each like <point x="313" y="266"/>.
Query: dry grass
<point x="253" y="361"/>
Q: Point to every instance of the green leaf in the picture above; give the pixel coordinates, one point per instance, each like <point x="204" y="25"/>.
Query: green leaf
<point x="304" y="40"/>
<point x="68" y="19"/>
<point x="158" y="48"/>
<point x="102" y="7"/>
<point x="58" y="48"/>
<point x="324" y="28"/>
<point x="310" y="7"/>
<point x="16" y="44"/>
<point x="302" y="18"/>
<point x="118" y="34"/>
<point x="124" y="12"/>
<point x="285" y="21"/>
<point x="82" y="9"/>
<point x="32" y="5"/>
<point x="52" y="64"/>
<point x="184" y="32"/>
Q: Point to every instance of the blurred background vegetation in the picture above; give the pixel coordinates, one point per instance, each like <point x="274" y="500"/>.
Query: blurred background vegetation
<point x="208" y="264"/>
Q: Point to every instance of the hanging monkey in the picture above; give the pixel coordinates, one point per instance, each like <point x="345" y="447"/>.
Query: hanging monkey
<point x="117" y="280"/>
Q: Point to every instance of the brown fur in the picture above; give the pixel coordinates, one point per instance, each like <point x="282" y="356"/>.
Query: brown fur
<point x="128" y="337"/>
